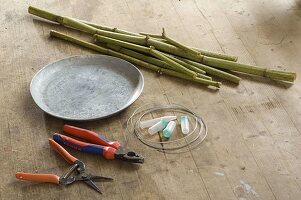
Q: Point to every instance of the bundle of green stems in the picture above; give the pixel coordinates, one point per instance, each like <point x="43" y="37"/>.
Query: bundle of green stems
<point x="160" y="53"/>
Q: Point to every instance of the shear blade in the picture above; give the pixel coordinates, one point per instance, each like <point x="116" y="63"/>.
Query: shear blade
<point x="100" y="178"/>
<point x="92" y="184"/>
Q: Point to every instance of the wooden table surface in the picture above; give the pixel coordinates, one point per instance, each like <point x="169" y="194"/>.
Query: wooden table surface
<point x="253" y="149"/>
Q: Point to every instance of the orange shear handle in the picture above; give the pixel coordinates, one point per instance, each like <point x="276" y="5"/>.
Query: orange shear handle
<point x="47" y="178"/>
<point x="58" y="148"/>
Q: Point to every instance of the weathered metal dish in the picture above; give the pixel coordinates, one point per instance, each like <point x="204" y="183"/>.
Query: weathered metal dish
<point x="86" y="87"/>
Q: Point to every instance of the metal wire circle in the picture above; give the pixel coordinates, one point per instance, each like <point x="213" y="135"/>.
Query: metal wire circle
<point x="186" y="143"/>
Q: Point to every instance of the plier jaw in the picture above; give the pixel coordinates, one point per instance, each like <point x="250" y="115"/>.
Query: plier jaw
<point x="128" y="155"/>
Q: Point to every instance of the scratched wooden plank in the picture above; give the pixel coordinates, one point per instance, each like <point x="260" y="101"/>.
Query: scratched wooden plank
<point x="252" y="149"/>
<point x="278" y="114"/>
<point x="265" y="110"/>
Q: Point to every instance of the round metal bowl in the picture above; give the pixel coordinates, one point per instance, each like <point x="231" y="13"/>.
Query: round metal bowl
<point x="86" y="87"/>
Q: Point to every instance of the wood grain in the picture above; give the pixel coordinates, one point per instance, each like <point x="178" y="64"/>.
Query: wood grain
<point x="253" y="147"/>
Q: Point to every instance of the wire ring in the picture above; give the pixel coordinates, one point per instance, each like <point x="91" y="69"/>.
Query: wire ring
<point x="190" y="140"/>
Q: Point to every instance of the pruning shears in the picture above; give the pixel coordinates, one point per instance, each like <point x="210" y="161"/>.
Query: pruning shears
<point x="99" y="145"/>
<point x="77" y="166"/>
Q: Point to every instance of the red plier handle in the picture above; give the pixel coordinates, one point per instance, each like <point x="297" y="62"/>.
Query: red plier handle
<point x="90" y="136"/>
<point x="98" y="145"/>
<point x="106" y="151"/>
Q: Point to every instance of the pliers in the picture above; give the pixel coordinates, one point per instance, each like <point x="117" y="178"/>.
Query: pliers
<point x="98" y="146"/>
<point x="67" y="179"/>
